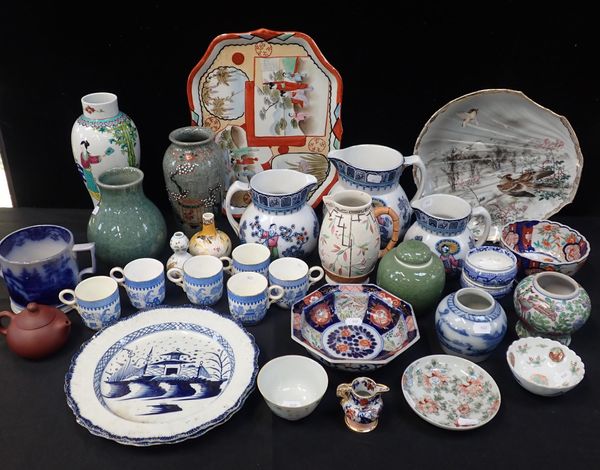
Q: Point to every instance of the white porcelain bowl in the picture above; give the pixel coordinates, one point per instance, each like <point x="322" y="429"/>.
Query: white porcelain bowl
<point x="544" y="366"/>
<point x="497" y="292"/>
<point x="292" y="385"/>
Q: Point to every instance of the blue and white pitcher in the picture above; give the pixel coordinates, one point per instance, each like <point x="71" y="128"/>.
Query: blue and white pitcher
<point x="278" y="216"/>
<point x="442" y="225"/>
<point x="376" y="170"/>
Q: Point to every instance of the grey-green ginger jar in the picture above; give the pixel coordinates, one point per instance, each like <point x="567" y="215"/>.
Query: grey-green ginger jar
<point x="126" y="225"/>
<point x="413" y="273"/>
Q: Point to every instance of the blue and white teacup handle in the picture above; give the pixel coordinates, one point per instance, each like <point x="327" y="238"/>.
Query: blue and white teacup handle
<point x="312" y="278"/>
<point x="227" y="264"/>
<point x="72" y="302"/>
<point x="91" y="247"/>
<point x="119" y="279"/>
<point x="482" y="212"/>
<point x="273" y="296"/>
<point x="175" y="275"/>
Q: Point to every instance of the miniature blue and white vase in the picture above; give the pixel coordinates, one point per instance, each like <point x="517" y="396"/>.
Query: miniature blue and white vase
<point x="470" y="323"/>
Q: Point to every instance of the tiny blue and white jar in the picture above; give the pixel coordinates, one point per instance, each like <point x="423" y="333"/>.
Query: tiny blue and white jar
<point x="144" y="281"/>
<point x="295" y="277"/>
<point x="250" y="296"/>
<point x="470" y="323"/>
<point x="96" y="299"/>
<point x="201" y="278"/>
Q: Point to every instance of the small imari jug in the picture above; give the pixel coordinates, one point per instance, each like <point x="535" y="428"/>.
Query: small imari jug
<point x="362" y="403"/>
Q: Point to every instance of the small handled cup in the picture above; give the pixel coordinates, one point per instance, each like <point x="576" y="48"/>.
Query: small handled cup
<point x="144" y="281"/>
<point x="250" y="296"/>
<point x="96" y="299"/>
<point x="201" y="279"/>
<point x="295" y="277"/>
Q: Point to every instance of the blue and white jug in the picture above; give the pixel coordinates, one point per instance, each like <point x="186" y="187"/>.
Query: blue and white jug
<point x="376" y="170"/>
<point x="278" y="216"/>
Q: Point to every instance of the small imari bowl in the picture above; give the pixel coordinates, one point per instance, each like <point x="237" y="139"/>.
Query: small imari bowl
<point x="544" y="366"/>
<point x="356" y="327"/>
<point x="544" y="245"/>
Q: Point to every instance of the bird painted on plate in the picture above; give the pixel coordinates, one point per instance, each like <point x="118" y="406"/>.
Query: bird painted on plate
<point x="469" y="117"/>
<point x="523" y="185"/>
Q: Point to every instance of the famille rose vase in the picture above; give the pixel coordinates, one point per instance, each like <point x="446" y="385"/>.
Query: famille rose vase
<point x="441" y="223"/>
<point x="349" y="239"/>
<point x="278" y="216"/>
<point x="376" y="169"/>
<point x="551" y="305"/>
<point x="103" y="138"/>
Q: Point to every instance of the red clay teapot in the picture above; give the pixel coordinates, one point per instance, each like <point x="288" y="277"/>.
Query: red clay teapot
<point x="37" y="331"/>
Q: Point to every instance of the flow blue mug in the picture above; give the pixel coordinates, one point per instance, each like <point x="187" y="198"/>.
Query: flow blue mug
<point x="38" y="262"/>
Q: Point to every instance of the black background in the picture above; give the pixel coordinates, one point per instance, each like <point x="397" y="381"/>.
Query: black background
<point x="398" y="68"/>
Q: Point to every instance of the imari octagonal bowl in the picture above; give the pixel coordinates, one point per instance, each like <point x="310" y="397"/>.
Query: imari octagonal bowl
<point x="354" y="327"/>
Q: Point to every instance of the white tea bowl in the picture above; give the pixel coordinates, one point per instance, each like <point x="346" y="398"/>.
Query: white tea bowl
<point x="544" y="366"/>
<point x="292" y="386"/>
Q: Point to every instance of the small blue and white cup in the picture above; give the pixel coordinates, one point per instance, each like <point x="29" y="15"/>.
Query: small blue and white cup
<point x="250" y="296"/>
<point x="96" y="299"/>
<point x="201" y="278"/>
<point x="249" y="257"/>
<point x="295" y="277"/>
<point x="144" y="281"/>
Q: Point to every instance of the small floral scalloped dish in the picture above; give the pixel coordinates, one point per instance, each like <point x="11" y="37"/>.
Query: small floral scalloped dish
<point x="450" y="392"/>
<point x="544" y="366"/>
<point x="355" y="327"/>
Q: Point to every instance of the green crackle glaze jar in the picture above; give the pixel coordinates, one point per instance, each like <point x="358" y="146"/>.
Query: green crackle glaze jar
<point x="413" y="273"/>
<point x="125" y="225"/>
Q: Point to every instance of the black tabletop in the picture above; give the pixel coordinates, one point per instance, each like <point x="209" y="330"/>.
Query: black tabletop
<point x="38" y="430"/>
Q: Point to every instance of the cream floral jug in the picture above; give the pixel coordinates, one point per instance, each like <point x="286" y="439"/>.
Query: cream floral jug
<point x="349" y="239"/>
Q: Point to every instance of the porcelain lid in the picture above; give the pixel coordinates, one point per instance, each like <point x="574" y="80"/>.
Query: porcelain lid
<point x="413" y="252"/>
<point x="35" y="316"/>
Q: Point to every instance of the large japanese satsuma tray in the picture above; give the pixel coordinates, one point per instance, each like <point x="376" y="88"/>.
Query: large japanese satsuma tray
<point x="273" y="101"/>
<point x="161" y="376"/>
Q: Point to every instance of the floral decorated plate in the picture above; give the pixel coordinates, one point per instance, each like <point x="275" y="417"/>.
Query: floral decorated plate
<point x="161" y="376"/>
<point x="274" y="102"/>
<point x="450" y="392"/>
<point x="501" y="150"/>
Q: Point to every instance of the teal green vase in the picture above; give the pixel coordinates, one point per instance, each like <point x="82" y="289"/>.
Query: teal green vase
<point x="125" y="225"/>
<point x="413" y="273"/>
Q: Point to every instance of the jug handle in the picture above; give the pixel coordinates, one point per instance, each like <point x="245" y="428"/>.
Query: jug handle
<point x="91" y="247"/>
<point x="343" y="391"/>
<point x="415" y="160"/>
<point x="8" y="314"/>
<point x="395" y="227"/>
<point x="234" y="188"/>
<point x="482" y="212"/>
